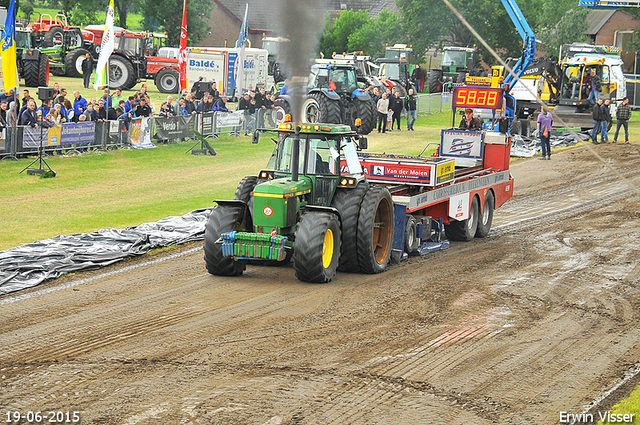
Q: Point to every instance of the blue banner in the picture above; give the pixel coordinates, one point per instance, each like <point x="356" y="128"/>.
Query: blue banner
<point x="81" y="133"/>
<point x="232" y="58"/>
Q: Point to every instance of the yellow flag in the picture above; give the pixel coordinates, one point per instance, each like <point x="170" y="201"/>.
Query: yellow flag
<point x="8" y="50"/>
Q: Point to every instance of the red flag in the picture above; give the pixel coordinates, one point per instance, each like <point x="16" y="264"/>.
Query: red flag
<point x="182" y="57"/>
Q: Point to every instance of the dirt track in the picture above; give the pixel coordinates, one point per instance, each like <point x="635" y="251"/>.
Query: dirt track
<point x="540" y="317"/>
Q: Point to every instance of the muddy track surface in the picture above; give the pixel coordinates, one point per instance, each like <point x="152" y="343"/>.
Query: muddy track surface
<point x="538" y="318"/>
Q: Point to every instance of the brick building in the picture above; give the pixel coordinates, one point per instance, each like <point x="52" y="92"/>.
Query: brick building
<point x="226" y="18"/>
<point x="615" y="28"/>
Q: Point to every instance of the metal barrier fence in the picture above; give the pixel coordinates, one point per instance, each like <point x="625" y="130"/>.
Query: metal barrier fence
<point x="432" y="103"/>
<point x="142" y="132"/>
<point x="139" y="133"/>
<point x="633" y="89"/>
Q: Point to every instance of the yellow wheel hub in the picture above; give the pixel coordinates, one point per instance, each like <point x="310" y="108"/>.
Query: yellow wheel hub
<point x="327" y="249"/>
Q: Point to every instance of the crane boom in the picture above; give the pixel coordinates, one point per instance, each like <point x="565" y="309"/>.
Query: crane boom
<point x="528" y="38"/>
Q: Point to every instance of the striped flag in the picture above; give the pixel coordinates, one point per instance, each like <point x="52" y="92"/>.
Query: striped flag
<point x="242" y="39"/>
<point x="108" y="42"/>
<point x="8" y="53"/>
<point x="182" y="57"/>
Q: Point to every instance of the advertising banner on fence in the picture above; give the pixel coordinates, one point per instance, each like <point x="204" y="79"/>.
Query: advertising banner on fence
<point x="81" y="133"/>
<point x="228" y="119"/>
<point x="32" y="137"/>
<point x="141" y="133"/>
<point x="174" y="127"/>
<point x="54" y="135"/>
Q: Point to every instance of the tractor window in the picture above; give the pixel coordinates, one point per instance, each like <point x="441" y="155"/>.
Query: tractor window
<point x="320" y="159"/>
<point x="283" y="162"/>
<point x="318" y="78"/>
<point x="390" y="71"/>
<point x="129" y="44"/>
<point x="22" y="40"/>
<point x="455" y="58"/>
<point x="344" y="79"/>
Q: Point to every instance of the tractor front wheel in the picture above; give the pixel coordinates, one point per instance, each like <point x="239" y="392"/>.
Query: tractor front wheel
<point x="222" y="219"/>
<point x="317" y="247"/>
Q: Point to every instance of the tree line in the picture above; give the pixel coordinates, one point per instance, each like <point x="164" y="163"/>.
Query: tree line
<point x="429" y="24"/>
<point x="422" y="23"/>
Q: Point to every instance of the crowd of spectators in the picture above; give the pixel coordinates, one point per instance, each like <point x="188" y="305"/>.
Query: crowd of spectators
<point x="114" y="105"/>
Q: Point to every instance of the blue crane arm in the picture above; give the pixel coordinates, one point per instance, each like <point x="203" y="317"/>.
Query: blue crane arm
<point x="528" y="38"/>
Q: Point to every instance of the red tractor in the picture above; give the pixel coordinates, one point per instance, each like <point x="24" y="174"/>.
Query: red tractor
<point x="52" y="29"/>
<point x="132" y="50"/>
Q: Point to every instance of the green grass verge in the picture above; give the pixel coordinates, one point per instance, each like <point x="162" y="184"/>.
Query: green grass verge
<point x="628" y="406"/>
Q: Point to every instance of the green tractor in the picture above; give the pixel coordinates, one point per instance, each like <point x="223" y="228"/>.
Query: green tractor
<point x="309" y="206"/>
<point x="66" y="58"/>
<point x="457" y="62"/>
<point x="33" y="65"/>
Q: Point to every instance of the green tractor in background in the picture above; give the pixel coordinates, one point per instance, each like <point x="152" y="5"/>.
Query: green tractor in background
<point x="33" y="64"/>
<point x="456" y="63"/>
<point x="308" y="206"/>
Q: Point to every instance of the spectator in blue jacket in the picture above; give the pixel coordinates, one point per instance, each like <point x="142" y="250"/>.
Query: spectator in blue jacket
<point x="221" y="104"/>
<point x="79" y="105"/>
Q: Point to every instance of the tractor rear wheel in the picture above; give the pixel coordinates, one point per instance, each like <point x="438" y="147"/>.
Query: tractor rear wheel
<point x="222" y="219"/>
<point x="54" y="36"/>
<point x="375" y="230"/>
<point x="347" y="202"/>
<point x="484" y="223"/>
<point x="43" y="71"/>
<point x="282" y="108"/>
<point x="464" y="230"/>
<point x="366" y="111"/>
<point x="435" y="81"/>
<point x="329" y="109"/>
<point x="317" y="247"/>
<point x="31" y="71"/>
<point x="73" y="62"/>
<point x="121" y="73"/>
<point x="168" y="81"/>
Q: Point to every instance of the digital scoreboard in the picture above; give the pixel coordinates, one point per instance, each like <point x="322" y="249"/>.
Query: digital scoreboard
<point x="477" y="97"/>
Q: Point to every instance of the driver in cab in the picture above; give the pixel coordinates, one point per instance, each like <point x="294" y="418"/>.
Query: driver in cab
<point x="469" y="122"/>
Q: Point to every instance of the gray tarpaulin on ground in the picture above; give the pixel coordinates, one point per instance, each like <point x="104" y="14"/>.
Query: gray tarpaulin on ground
<point x="523" y="146"/>
<point x="29" y="265"/>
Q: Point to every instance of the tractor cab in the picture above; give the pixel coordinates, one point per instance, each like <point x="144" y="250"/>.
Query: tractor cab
<point x="315" y="149"/>
<point x="339" y="78"/>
